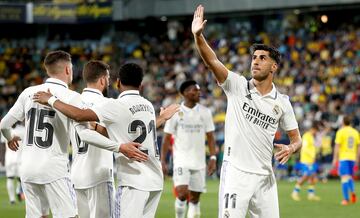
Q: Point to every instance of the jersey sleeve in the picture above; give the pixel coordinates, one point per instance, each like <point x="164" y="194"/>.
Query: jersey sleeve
<point x="234" y="84"/>
<point x="170" y="125"/>
<point x="209" y="122"/>
<point x="18" y="110"/>
<point x="338" y="137"/>
<point x="288" y="121"/>
<point x="106" y="112"/>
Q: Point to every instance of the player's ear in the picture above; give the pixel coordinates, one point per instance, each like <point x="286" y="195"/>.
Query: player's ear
<point x="274" y="68"/>
<point x="118" y="83"/>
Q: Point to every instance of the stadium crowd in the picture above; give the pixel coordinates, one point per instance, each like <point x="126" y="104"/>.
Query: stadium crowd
<point x="320" y="68"/>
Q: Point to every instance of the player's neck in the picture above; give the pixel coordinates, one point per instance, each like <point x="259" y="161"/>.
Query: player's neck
<point x="60" y="77"/>
<point x="264" y="86"/>
<point x="127" y="88"/>
<point x="189" y="104"/>
<point x="94" y="86"/>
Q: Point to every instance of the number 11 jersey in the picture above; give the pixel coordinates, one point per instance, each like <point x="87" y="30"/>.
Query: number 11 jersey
<point x="44" y="156"/>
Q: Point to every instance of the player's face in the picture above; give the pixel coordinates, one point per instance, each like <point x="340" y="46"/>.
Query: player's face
<point x="193" y="93"/>
<point x="70" y="73"/>
<point x="262" y="65"/>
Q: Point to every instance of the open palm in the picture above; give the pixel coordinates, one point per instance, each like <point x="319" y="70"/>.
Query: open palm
<point x="198" y="22"/>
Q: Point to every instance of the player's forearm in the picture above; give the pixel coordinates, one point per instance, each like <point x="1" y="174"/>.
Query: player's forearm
<point x="96" y="139"/>
<point x="165" y="148"/>
<point x="210" y="58"/>
<point x="211" y="144"/>
<point x="77" y="114"/>
<point x="160" y="120"/>
<point x="336" y="153"/>
<point x="5" y="126"/>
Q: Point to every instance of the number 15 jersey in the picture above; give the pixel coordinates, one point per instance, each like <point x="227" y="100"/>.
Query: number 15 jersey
<point x="44" y="156"/>
<point x="132" y="118"/>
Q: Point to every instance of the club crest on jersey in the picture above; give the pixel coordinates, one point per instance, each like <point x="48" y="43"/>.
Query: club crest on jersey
<point x="276" y="110"/>
<point x="181" y="114"/>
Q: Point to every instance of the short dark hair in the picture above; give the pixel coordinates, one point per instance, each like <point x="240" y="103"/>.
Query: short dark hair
<point x="131" y="74"/>
<point x="54" y="57"/>
<point x="347" y="120"/>
<point x="93" y="70"/>
<point x="273" y="52"/>
<point x="186" y="84"/>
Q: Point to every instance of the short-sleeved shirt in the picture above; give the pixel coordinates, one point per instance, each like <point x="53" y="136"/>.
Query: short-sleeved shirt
<point x="251" y="123"/>
<point x="44" y="155"/>
<point x="132" y="118"/>
<point x="348" y="140"/>
<point x="189" y="127"/>
<point x="308" y="149"/>
<point x="91" y="165"/>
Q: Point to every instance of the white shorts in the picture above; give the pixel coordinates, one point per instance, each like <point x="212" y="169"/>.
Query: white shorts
<point x="96" y="201"/>
<point x="194" y="179"/>
<point x="241" y="192"/>
<point x="134" y="203"/>
<point x="59" y="196"/>
<point x="12" y="170"/>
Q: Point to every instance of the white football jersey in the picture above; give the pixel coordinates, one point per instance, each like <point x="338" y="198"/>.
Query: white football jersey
<point x="14" y="157"/>
<point x="44" y="155"/>
<point x="251" y="123"/>
<point x="91" y="165"/>
<point x="132" y="118"/>
<point x="189" y="127"/>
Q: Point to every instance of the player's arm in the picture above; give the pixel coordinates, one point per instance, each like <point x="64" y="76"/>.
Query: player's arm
<point x="164" y="150"/>
<point x="77" y="114"/>
<point x="94" y="138"/>
<point x="285" y="151"/>
<point x="211" y="143"/>
<point x="205" y="51"/>
<point x="5" y="126"/>
<point x="166" y="113"/>
<point x="336" y="154"/>
<point x="358" y="155"/>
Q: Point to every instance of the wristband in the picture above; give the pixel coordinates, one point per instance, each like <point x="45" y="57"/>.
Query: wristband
<point x="213" y="157"/>
<point x="95" y="126"/>
<point x="52" y="100"/>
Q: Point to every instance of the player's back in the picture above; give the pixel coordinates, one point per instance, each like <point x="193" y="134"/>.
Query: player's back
<point x="91" y="165"/>
<point x="308" y="149"/>
<point x="132" y="118"/>
<point x="348" y="139"/>
<point x="44" y="155"/>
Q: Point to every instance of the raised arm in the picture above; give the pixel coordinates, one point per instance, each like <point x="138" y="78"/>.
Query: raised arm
<point x="166" y="113"/>
<point x="205" y="51"/>
<point x="285" y="151"/>
<point x="77" y="114"/>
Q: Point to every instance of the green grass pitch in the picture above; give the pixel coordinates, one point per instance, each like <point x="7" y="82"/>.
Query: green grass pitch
<point x="328" y="207"/>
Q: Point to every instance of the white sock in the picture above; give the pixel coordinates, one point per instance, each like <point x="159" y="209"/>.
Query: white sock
<point x="180" y="208"/>
<point x="10" y="189"/>
<point x="194" y="210"/>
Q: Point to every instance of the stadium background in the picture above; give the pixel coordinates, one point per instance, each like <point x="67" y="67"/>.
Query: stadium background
<point x="318" y="39"/>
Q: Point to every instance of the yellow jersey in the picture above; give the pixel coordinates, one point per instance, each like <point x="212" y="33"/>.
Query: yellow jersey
<point x="308" y="149"/>
<point x="348" y="140"/>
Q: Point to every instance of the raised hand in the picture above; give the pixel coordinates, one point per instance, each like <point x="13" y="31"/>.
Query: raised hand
<point x="284" y="153"/>
<point x="42" y="97"/>
<point x="167" y="113"/>
<point x="132" y="151"/>
<point x="198" y="22"/>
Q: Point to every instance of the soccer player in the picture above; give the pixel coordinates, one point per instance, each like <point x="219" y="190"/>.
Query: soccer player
<point x="347" y="151"/>
<point x="12" y="163"/>
<point x="190" y="126"/>
<point x="255" y="111"/>
<point x="92" y="167"/>
<point x="128" y="118"/>
<point x="308" y="165"/>
<point x="44" y="161"/>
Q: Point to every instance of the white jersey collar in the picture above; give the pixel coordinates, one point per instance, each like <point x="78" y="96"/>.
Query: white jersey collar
<point x="187" y="108"/>
<point x="129" y="92"/>
<point x="96" y="91"/>
<point x="252" y="89"/>
<point x="57" y="82"/>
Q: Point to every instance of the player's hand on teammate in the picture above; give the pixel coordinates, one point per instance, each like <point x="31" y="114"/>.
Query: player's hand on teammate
<point x="198" y="22"/>
<point x="168" y="112"/>
<point x="284" y="153"/>
<point x="211" y="168"/>
<point x="13" y="144"/>
<point x="132" y="151"/>
<point x="42" y="97"/>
